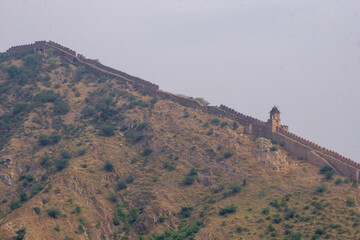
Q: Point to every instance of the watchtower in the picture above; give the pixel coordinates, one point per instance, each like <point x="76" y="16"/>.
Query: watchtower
<point x="274" y="120"/>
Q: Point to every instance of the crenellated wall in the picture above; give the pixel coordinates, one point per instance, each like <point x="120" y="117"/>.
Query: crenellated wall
<point x="315" y="154"/>
<point x="297" y="145"/>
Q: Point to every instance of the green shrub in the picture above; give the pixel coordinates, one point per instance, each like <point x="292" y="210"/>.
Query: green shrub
<point x="65" y="154"/>
<point x="338" y="181"/>
<point x="61" y="107"/>
<point x="276" y="219"/>
<point x="49" y="139"/>
<point x="46" y="96"/>
<point x="203" y="101"/>
<point x="109" y="167"/>
<point x="27" y="177"/>
<point x="186" y="211"/>
<point x="129" y="179"/>
<point x="350" y="202"/>
<point x="224" y="124"/>
<point x="15" y="204"/>
<point x="147" y="151"/>
<point x="45" y="161"/>
<point x="210" y="132"/>
<point x="79" y="73"/>
<point x="227" y="209"/>
<point x="76" y="210"/>
<point x="20" y="233"/>
<point x="293" y="236"/>
<point x="289" y="213"/>
<point x="60" y="164"/>
<point x="32" y="60"/>
<point x="228" y="154"/>
<point x="235" y="188"/>
<point x="169" y="166"/>
<point x="192" y="172"/>
<point x="188" y="180"/>
<point x="37" y="210"/>
<point x="141" y="126"/>
<point x="35" y="189"/>
<point x="81" y="152"/>
<point x="13" y="71"/>
<point x="112" y="197"/>
<point x="215" y="121"/>
<point x="321" y="189"/>
<point x="134" y="137"/>
<point x="80" y="229"/>
<point x="53" y="212"/>
<point x="265" y="211"/>
<point x="121" y="185"/>
<point x="108" y="130"/>
<point x="162" y="219"/>
<point x="273" y="148"/>
<point x="327" y="171"/>
<point x="19" y="107"/>
<point x="88" y="111"/>
<point x="317" y="205"/>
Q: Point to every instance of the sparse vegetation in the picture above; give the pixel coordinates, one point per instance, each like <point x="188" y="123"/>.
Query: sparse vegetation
<point x="215" y="121"/>
<point x="53" y="212"/>
<point x="20" y="233"/>
<point x="168" y="166"/>
<point x="107" y="130"/>
<point x="109" y="167"/>
<point x="350" y="202"/>
<point x="227" y="209"/>
<point x="327" y="171"/>
<point x="49" y="139"/>
<point x="228" y="154"/>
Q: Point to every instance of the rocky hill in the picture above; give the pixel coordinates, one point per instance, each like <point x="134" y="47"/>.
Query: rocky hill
<point x="86" y="155"/>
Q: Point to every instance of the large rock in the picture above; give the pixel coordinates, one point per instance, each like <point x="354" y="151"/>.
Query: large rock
<point x="269" y="155"/>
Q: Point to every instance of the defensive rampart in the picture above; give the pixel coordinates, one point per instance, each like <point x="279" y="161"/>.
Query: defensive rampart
<point x="315" y="154"/>
<point x="299" y="146"/>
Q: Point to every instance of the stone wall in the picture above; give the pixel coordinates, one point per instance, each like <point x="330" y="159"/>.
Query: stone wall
<point x="317" y="156"/>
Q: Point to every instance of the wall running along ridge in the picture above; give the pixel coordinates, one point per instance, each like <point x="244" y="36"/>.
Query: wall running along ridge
<point x="302" y="148"/>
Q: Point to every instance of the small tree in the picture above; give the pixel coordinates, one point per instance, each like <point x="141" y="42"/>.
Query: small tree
<point x="227" y="209"/>
<point x="108" y="130"/>
<point x="121" y="185"/>
<point x="53" y="212"/>
<point x="20" y="233"/>
<point x="109" y="167"/>
<point x="350" y="202"/>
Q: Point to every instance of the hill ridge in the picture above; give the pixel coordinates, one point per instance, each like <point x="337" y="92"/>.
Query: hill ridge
<point x="297" y="145"/>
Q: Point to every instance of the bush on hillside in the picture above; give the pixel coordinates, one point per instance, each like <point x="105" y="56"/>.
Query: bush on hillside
<point x="60" y="164"/>
<point x="53" y="212"/>
<point x="109" y="167"/>
<point x="49" y="139"/>
<point x="108" y="130"/>
<point x="227" y="209"/>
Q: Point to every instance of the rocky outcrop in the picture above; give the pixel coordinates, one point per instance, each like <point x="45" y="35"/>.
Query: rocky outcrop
<point x="269" y="155"/>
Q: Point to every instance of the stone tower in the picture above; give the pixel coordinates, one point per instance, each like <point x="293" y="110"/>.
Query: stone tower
<point x="274" y="120"/>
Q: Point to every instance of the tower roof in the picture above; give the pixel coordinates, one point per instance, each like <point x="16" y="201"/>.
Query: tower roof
<point x="274" y="110"/>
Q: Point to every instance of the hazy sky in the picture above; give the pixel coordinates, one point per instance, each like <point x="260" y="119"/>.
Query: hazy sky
<point x="303" y="56"/>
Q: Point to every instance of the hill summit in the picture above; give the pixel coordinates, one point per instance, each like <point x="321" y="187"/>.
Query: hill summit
<point x="90" y="152"/>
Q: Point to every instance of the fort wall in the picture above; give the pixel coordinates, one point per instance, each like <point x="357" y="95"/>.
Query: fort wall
<point x="317" y="156"/>
<point x="317" y="160"/>
<point x="303" y="148"/>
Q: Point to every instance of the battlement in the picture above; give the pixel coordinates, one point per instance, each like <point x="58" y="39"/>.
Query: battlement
<point x="242" y="118"/>
<point x="299" y="146"/>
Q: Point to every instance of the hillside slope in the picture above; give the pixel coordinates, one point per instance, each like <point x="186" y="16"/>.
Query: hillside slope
<point x="87" y="156"/>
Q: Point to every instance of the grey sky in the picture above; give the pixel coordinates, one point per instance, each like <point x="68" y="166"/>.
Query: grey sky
<point x="303" y="56"/>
